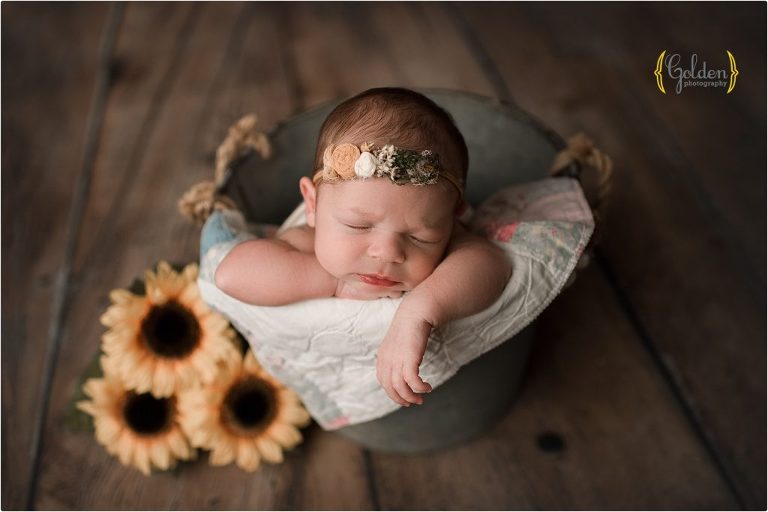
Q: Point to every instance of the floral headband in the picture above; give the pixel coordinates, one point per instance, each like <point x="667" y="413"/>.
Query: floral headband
<point x="401" y="166"/>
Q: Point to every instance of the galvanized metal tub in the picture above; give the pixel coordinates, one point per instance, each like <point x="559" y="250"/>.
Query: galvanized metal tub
<point x="506" y="146"/>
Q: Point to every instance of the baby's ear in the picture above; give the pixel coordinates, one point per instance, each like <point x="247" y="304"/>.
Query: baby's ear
<point x="309" y="193"/>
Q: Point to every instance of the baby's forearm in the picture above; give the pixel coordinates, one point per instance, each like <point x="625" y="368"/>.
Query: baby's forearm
<point x="470" y="278"/>
<point x="272" y="273"/>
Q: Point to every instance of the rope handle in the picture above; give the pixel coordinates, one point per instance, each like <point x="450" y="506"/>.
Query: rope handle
<point x="593" y="169"/>
<point x="204" y="197"/>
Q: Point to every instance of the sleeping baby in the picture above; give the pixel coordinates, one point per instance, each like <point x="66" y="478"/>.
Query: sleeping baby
<point x="382" y="211"/>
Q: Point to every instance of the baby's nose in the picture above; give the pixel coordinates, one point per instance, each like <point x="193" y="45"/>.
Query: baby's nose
<point x="388" y="248"/>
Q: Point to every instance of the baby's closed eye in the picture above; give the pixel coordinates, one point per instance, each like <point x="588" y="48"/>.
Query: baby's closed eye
<point x="422" y="239"/>
<point x="425" y="239"/>
<point x="358" y="227"/>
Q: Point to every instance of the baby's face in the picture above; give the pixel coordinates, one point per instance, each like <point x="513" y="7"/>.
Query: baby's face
<point x="381" y="237"/>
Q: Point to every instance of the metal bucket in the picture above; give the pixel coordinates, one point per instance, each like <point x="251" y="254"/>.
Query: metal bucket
<point x="506" y="146"/>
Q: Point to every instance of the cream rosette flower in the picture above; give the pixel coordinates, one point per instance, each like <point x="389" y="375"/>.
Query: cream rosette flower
<point x="365" y="166"/>
<point x="138" y="428"/>
<point x="167" y="339"/>
<point x="246" y="416"/>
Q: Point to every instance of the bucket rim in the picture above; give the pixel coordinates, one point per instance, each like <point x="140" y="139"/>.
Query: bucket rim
<point x="506" y="106"/>
<point x="509" y="108"/>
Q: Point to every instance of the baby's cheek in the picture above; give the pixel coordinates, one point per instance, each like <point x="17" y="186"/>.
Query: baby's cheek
<point x="325" y="256"/>
<point x="333" y="255"/>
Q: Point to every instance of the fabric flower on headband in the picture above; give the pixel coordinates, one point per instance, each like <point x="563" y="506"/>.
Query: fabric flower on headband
<point x="366" y="164"/>
<point x="343" y="158"/>
<point x="401" y="166"/>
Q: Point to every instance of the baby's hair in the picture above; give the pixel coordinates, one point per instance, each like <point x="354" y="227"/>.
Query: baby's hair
<point x="397" y="116"/>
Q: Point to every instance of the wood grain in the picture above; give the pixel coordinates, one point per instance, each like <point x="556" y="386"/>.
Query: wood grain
<point x="47" y="91"/>
<point x="340" y="49"/>
<point x="721" y="137"/>
<point x="665" y="258"/>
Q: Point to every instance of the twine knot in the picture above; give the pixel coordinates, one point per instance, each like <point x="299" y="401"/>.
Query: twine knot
<point x="581" y="149"/>
<point x="203" y="198"/>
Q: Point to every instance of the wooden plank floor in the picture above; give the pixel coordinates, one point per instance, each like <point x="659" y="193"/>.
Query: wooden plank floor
<point x="651" y="368"/>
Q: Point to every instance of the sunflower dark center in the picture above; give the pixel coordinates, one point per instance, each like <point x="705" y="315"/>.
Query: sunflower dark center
<point x="171" y="330"/>
<point x="147" y="415"/>
<point x="249" y="406"/>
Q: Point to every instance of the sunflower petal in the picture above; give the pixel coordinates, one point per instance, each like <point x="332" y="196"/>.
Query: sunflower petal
<point x="287" y="435"/>
<point x="88" y="407"/>
<point x="124" y="448"/>
<point x="121" y="296"/>
<point x="222" y="454"/>
<point x="214" y="324"/>
<point x="141" y="378"/>
<point x="164" y="380"/>
<point x="190" y="296"/>
<point x="185" y="374"/>
<point x="269" y="449"/>
<point x="168" y="279"/>
<point x="94" y="388"/>
<point x="248" y="457"/>
<point x="250" y="363"/>
<point x="178" y="445"/>
<point x="108" y="430"/>
<point x="159" y="453"/>
<point x="205" y="365"/>
<point x="190" y="272"/>
<point x="295" y="414"/>
<point x="141" y="458"/>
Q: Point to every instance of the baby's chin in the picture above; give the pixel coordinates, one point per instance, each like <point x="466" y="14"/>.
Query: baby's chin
<point x="379" y="292"/>
<point x="392" y="295"/>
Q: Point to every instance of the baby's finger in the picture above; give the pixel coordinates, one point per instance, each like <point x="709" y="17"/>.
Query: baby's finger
<point x="402" y="389"/>
<point x="395" y="397"/>
<point x="381" y="371"/>
<point x="390" y="391"/>
<point x="417" y="384"/>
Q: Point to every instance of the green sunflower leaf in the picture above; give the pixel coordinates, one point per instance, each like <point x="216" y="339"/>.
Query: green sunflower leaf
<point x="74" y="419"/>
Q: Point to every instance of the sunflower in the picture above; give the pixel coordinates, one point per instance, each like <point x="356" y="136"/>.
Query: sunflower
<point x="140" y="429"/>
<point x="245" y="416"/>
<point x="168" y="338"/>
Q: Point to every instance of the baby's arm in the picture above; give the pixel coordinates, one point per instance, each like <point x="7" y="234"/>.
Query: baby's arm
<point x="470" y="278"/>
<point x="275" y="272"/>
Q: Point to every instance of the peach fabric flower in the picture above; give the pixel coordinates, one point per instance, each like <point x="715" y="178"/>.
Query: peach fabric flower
<point x="328" y="162"/>
<point x="344" y="158"/>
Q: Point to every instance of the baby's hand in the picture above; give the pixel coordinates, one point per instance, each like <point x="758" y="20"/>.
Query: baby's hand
<point x="399" y="357"/>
